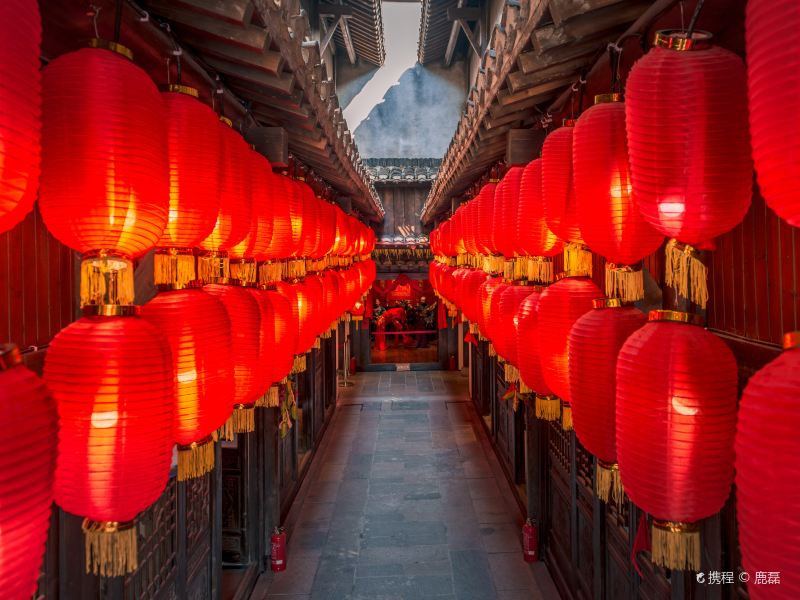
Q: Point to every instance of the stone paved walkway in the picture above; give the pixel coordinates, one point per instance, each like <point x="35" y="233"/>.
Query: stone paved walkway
<point x="406" y="500"/>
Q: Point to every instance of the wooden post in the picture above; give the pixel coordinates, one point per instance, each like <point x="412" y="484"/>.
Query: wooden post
<point x="523" y="145"/>
<point x="272" y="142"/>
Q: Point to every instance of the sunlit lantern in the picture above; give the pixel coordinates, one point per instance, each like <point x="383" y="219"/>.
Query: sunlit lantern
<point x="505" y="340"/>
<point x="531" y="378"/>
<point x="110" y="374"/>
<point x="20" y="115"/>
<point x="535" y="240"/>
<point x="26" y="488"/>
<point x="676" y="420"/>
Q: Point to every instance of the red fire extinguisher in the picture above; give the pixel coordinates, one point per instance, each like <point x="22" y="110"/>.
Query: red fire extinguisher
<point x="278" y="553"/>
<point x="530" y="541"/>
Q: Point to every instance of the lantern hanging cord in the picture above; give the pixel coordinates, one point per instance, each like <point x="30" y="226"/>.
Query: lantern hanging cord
<point x="177" y="52"/>
<point x="695" y="16"/>
<point x="614" y="57"/>
<point x="117" y="20"/>
<point x="95" y="14"/>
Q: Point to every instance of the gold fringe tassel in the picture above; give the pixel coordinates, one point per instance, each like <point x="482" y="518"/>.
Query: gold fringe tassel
<point x="244" y="270"/>
<point x="173" y="266"/>
<point x="195" y="460"/>
<point x="540" y="270"/>
<point x="111" y="548"/>
<point x="269" y="272"/>
<point x="473" y="328"/>
<point x="607" y="482"/>
<point x="270" y="399"/>
<point x="624" y="283"/>
<point x="226" y="432"/>
<point x="577" y="259"/>
<point x="686" y="272"/>
<point x="566" y="417"/>
<point x="492" y="351"/>
<point x="213" y="265"/>
<point x="510" y="373"/>
<point x="244" y="418"/>
<point x="676" y="545"/>
<point x="547" y="407"/>
<point x="524" y="389"/>
<point x="508" y="269"/>
<point x="299" y="364"/>
<point x="316" y="345"/>
<point x="106" y="280"/>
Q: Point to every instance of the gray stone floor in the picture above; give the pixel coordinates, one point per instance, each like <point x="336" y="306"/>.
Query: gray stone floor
<point x="406" y="500"/>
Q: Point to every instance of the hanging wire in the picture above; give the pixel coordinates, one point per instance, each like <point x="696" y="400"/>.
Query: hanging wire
<point x="695" y="16"/>
<point x="177" y="52"/>
<point x="117" y="20"/>
<point x="614" y="57"/>
<point x="683" y="21"/>
<point x="95" y="14"/>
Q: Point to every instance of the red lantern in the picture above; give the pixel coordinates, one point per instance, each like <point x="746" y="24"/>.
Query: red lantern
<point x="26" y="488"/>
<point x="676" y="420"/>
<point x="508" y="327"/>
<point x="20" y="118"/>
<point x="691" y="169"/>
<point x="560" y="305"/>
<point x="773" y="82"/>
<point x="310" y="219"/>
<point x="610" y="223"/>
<point x="558" y="191"/>
<point x="111" y="377"/>
<point x="282" y="355"/>
<point x="593" y="345"/>
<point x="485" y="293"/>
<point x="245" y="318"/>
<point x="529" y="357"/>
<point x="506" y="204"/>
<point x="485" y="218"/>
<point x="198" y="330"/>
<point x="767" y="484"/>
<point x="534" y="237"/>
<point x="297" y="296"/>
<point x="470" y="296"/>
<point x="294" y="200"/>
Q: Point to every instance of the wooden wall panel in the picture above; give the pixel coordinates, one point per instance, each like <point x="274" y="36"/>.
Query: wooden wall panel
<point x="403" y="205"/>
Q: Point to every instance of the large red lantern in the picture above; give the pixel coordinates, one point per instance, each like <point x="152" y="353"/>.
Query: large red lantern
<point x="281" y="355"/>
<point x="558" y="191"/>
<point x="505" y="212"/>
<point x="20" y="116"/>
<point x="486" y="292"/>
<point x="310" y="218"/>
<point x="104" y="184"/>
<point x="244" y="314"/>
<point x="198" y="330"/>
<point x="560" y="305"/>
<point x="610" y="223"/>
<point x="593" y="345"/>
<point x="26" y="488"/>
<point x="534" y="237"/>
<point x="529" y="358"/>
<point x="508" y="328"/>
<point x="193" y="154"/>
<point x="767" y="482"/>
<point x="773" y="86"/>
<point x="676" y="420"/>
<point x="691" y="169"/>
<point x="111" y="377"/>
<point x="485" y="221"/>
<point x="297" y="295"/>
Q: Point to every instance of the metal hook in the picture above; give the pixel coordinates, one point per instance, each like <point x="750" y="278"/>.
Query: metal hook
<point x="95" y="14"/>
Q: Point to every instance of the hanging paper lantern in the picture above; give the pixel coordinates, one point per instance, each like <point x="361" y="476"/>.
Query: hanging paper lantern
<point x="507" y="197"/>
<point x="767" y="484"/>
<point x="311" y="225"/>
<point x="280" y="357"/>
<point x="20" y="109"/>
<point x="534" y="238"/>
<point x="593" y="345"/>
<point x="104" y="184"/>
<point x="560" y="305"/>
<point x="529" y="358"/>
<point x="282" y="241"/>
<point x="193" y="154"/>
<point x="297" y="295"/>
<point x="485" y="220"/>
<point x="471" y="299"/>
<point x="198" y="331"/>
<point x="492" y="312"/>
<point x="245" y="318"/>
<point x="691" y="169"/>
<point x="26" y="488"/>
<point x="773" y="82"/>
<point x="558" y="191"/>
<point x="610" y="223"/>
<point x="508" y="328"/>
<point x="485" y="293"/>
<point x="111" y="378"/>
<point x="676" y="420"/>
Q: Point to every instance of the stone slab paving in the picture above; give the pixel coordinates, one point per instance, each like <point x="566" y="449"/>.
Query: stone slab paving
<point x="403" y="502"/>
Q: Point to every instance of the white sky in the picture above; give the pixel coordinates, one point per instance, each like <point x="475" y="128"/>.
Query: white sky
<point x="401" y="35"/>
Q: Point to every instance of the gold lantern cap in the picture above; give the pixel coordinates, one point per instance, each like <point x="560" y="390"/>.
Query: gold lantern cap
<point x="607" y="303"/>
<point x="111" y="46"/>
<point x="675" y="39"/>
<point x="182" y="89"/>
<point x="194" y="284"/>
<point x="9" y="356"/>
<point x="571" y="275"/>
<point x="222" y="281"/>
<point x="110" y="310"/>
<point x="607" y="98"/>
<point x="675" y="316"/>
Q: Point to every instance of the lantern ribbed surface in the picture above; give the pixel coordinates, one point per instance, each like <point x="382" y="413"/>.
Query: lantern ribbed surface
<point x="105" y="181"/>
<point x="471" y="298"/>
<point x="773" y="70"/>
<point x="767" y="478"/>
<point x="193" y="154"/>
<point x="310" y="216"/>
<point x="112" y="381"/>
<point x="528" y="348"/>
<point x="235" y="208"/>
<point x="469" y="225"/>
<point x="676" y="419"/>
<point x="508" y="323"/>
<point x="316" y="317"/>
<point x="281" y="243"/>
<point x="486" y="218"/>
<point x="610" y="223"/>
<point x="279" y="359"/>
<point x="593" y="345"/>
<point x="245" y="318"/>
<point x="297" y="295"/>
<point x="560" y="305"/>
<point x="534" y="237"/>
<point x="198" y="330"/>
<point x="558" y="191"/>
<point x="266" y="336"/>
<point x="505" y="212"/>
<point x="493" y="324"/>
<point x="327" y="231"/>
<point x="26" y="487"/>
<point x="294" y="199"/>
<point x="20" y="110"/>
<point x="690" y="167"/>
<point x="485" y="293"/>
<point x="256" y="243"/>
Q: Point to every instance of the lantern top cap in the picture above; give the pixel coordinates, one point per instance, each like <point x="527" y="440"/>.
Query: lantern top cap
<point x="568" y="123"/>
<point x="607" y="98"/>
<point x="175" y="286"/>
<point x="182" y="89"/>
<point x="570" y="275"/>
<point x="675" y="316"/>
<point x="222" y="281"/>
<point x="675" y="39"/>
<point x="9" y="356"/>
<point x="607" y="303"/>
<point x="791" y="340"/>
<point x="110" y="310"/>
<point x="112" y="47"/>
<point x="227" y="121"/>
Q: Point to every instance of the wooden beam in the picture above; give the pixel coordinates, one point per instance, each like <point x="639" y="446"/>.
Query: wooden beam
<point x="473" y="41"/>
<point x="466" y="13"/>
<point x="335" y="10"/>
<point x="268" y="61"/>
<point x="453" y="39"/>
<point x="562" y="10"/>
<point x="283" y="83"/>
<point x="272" y="142"/>
<point x="348" y="40"/>
<point x="522" y="145"/>
<point x="327" y="33"/>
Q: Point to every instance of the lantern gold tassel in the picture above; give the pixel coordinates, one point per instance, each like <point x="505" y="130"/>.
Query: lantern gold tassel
<point x="196" y="459"/>
<point x="577" y="259"/>
<point x="548" y="407"/>
<point x="473" y="328"/>
<point x="624" y="283"/>
<point x="676" y="545"/>
<point x="106" y="280"/>
<point x="111" y="549"/>
<point x="686" y="272"/>
<point x="269" y="272"/>
<point x="607" y="482"/>
<point x="270" y="399"/>
<point x="523" y="389"/>
<point x="244" y="418"/>
<point x="492" y="351"/>
<point x="511" y="373"/>
<point x="245" y="271"/>
<point x="540" y="270"/>
<point x="566" y="417"/>
<point x="299" y="364"/>
<point x="226" y="431"/>
<point x="173" y="265"/>
<point x="212" y="265"/>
